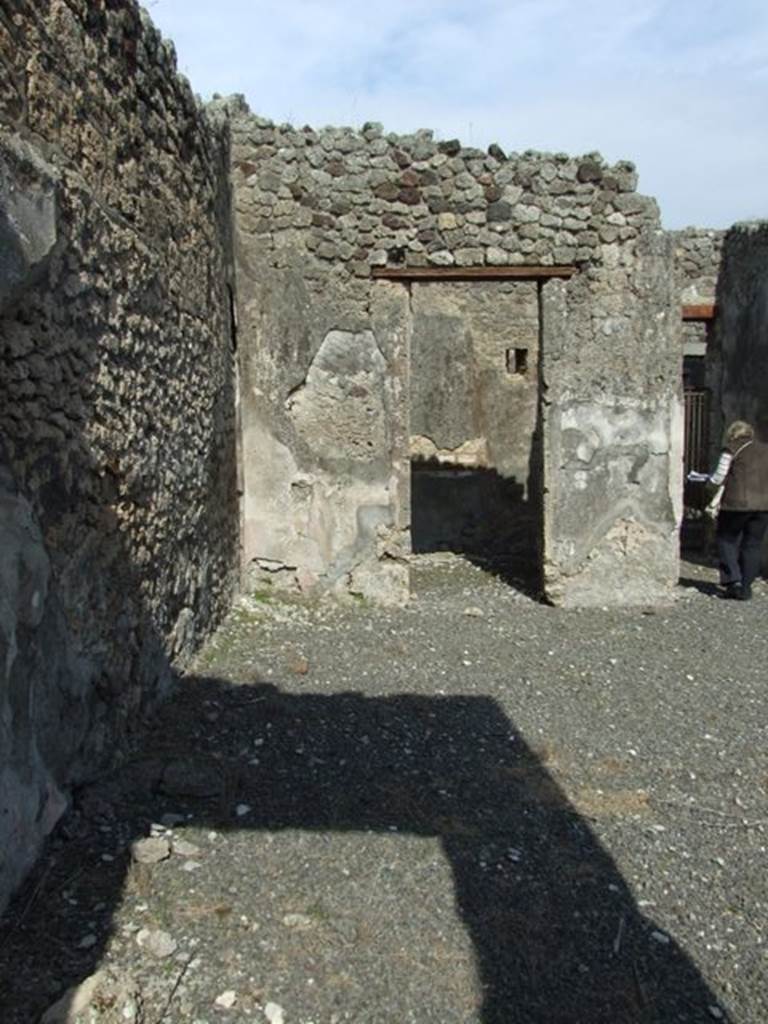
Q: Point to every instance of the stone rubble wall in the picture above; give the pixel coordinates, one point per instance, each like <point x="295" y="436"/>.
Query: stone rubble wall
<point x="316" y="213"/>
<point x="738" y="357"/>
<point x="357" y="200"/>
<point x="119" y="399"/>
<point x="697" y="254"/>
<point x="118" y="498"/>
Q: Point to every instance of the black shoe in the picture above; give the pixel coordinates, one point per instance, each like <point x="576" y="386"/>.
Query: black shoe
<point x="733" y="592"/>
<point x="745" y="593"/>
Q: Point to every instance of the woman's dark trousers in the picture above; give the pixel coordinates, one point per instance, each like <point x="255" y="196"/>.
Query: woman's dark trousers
<point x="739" y="540"/>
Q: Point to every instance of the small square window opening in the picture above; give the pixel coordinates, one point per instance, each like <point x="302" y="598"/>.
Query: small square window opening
<point x="517" y="360"/>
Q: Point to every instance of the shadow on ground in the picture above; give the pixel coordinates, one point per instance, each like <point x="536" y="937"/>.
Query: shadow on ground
<point x="556" y="931"/>
<point x="703" y="586"/>
<point x="481" y="515"/>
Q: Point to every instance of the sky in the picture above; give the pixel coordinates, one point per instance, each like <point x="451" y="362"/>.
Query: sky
<point x="678" y="87"/>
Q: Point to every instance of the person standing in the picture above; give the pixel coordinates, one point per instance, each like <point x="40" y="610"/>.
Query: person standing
<point x="743" y="516"/>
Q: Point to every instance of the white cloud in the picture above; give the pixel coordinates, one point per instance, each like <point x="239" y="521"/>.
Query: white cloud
<point x="679" y="87"/>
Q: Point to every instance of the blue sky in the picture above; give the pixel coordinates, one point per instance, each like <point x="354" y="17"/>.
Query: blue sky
<point x="679" y="87"/>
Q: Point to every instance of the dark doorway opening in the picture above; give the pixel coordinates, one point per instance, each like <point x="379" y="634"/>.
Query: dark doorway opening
<point x="476" y="458"/>
<point x="477" y="513"/>
<point x="695" y="528"/>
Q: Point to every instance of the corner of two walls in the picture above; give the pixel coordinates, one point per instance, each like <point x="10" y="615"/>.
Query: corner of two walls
<point x="118" y="505"/>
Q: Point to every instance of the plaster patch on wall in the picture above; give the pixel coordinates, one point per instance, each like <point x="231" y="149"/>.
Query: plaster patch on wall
<point x="676" y="455"/>
<point x="319" y="510"/>
<point x="612" y="446"/>
<point x="267" y="505"/>
<point x="616" y="511"/>
<point x="616" y="423"/>
<point x="339" y="412"/>
<point x="306" y="530"/>
<point x="633" y="544"/>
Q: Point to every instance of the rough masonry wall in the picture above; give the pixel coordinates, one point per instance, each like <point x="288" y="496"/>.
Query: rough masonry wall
<point x="317" y="211"/>
<point x="697" y="253"/>
<point x="738" y="357"/>
<point x="118" y="515"/>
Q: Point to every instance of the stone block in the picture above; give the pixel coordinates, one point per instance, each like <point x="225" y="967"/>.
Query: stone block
<point x="470" y="257"/>
<point x="496" y="257"/>
<point x="442" y="258"/>
<point x="500" y="211"/>
<point x="526" y="213"/>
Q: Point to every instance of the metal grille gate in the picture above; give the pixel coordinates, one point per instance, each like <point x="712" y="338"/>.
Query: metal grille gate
<point x="697" y="430"/>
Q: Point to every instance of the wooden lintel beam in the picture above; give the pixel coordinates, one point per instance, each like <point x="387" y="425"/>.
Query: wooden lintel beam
<point x="701" y="311"/>
<point x="470" y="273"/>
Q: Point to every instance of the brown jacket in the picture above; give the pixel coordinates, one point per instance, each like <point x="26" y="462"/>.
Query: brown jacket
<point x="746" y="486"/>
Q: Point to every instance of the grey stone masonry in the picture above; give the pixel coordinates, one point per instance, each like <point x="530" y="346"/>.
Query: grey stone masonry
<point x="697" y="253"/>
<point x="119" y="521"/>
<point x="363" y="199"/>
<point x="317" y="214"/>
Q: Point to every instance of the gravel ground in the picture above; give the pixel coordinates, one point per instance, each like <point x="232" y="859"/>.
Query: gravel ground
<point x="476" y="809"/>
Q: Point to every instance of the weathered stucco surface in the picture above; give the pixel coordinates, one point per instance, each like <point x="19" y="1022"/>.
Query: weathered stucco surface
<point x="324" y="435"/>
<point x="316" y="213"/>
<point x="612" y="428"/>
<point x="118" y="508"/>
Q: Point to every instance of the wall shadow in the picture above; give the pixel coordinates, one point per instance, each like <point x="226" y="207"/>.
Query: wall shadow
<point x="557" y="934"/>
<point x="118" y="488"/>
<point x="478" y="513"/>
<point x="696" y="529"/>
